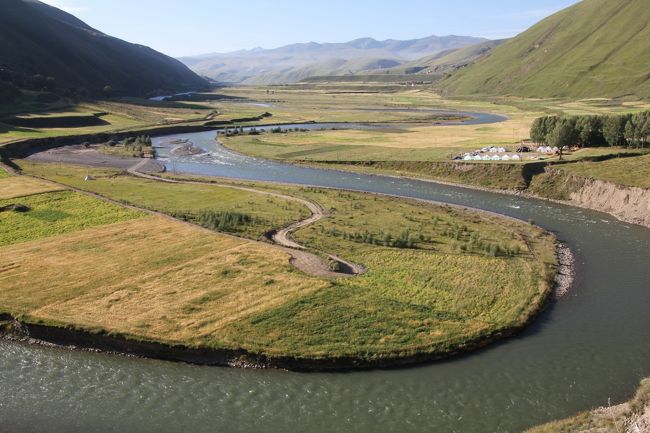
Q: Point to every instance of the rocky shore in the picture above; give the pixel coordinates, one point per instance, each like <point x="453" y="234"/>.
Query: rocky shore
<point x="565" y="272"/>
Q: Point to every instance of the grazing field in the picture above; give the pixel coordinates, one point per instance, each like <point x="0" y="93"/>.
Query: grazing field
<point x="438" y="277"/>
<point x="629" y="171"/>
<point x="411" y="137"/>
<point x="11" y="187"/>
<point x="54" y="214"/>
<point x="149" y="278"/>
<point x="182" y="201"/>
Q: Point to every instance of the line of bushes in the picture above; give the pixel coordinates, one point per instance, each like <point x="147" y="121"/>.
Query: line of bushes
<point x="223" y="221"/>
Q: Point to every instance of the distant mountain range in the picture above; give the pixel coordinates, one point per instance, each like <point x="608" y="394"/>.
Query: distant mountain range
<point x="296" y="62"/>
<point x="596" y="48"/>
<point x="445" y="62"/>
<point x="40" y="44"/>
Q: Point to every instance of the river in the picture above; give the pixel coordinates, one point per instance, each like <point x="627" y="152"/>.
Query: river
<point x="589" y="347"/>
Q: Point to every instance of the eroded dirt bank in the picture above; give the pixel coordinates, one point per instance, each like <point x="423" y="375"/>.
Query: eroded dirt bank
<point x="628" y="204"/>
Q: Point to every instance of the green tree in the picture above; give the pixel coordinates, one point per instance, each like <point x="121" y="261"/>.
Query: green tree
<point x="614" y="130"/>
<point x="630" y="133"/>
<point x="537" y="130"/>
<point x="589" y="130"/>
<point x="563" y="135"/>
<point x="645" y="131"/>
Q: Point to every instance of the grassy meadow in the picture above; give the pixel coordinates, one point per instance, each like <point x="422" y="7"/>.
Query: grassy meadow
<point x="183" y="201"/>
<point x="438" y="277"/>
<point x="630" y="171"/>
<point x="149" y="278"/>
<point x="11" y="187"/>
<point x="56" y="213"/>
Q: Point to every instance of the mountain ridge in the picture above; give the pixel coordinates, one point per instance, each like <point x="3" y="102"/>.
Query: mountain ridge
<point x="291" y="63"/>
<point x="40" y="40"/>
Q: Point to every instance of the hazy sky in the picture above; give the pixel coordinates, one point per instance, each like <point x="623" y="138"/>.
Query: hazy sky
<point x="191" y="27"/>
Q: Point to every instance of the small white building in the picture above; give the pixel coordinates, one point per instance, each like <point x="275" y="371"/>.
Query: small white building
<point x="505" y="158"/>
<point x="468" y="158"/>
<point x="496" y="158"/>
<point x="516" y="158"/>
<point x="478" y="157"/>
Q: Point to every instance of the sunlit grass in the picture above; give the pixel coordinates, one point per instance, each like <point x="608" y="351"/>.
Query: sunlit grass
<point x="57" y="213"/>
<point x="182" y="201"/>
<point x="12" y="187"/>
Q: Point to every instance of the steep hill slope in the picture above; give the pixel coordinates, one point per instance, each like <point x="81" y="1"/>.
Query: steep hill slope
<point x="596" y="48"/>
<point x="299" y="61"/>
<point x="39" y="39"/>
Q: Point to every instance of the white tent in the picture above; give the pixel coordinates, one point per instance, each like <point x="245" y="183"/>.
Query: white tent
<point x="468" y="158"/>
<point x="496" y="158"/>
<point x="505" y="158"/>
<point x="478" y="157"/>
<point x="516" y="158"/>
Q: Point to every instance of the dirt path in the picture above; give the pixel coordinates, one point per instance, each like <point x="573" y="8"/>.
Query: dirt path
<point x="302" y="259"/>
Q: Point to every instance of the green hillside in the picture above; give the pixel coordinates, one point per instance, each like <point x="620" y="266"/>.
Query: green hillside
<point x="447" y="61"/>
<point x="40" y="40"/>
<point x="596" y="48"/>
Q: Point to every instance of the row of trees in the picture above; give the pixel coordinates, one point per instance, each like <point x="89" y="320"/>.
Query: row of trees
<point x="631" y="130"/>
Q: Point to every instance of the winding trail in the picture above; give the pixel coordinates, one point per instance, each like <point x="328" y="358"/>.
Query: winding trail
<point x="302" y="259"/>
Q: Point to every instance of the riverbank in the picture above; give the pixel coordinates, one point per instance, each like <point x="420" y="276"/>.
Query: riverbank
<point x="630" y="417"/>
<point x="111" y="343"/>
<point x="536" y="180"/>
<point x="400" y="303"/>
<point x="74" y="338"/>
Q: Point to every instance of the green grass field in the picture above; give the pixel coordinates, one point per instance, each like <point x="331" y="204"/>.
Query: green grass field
<point x="630" y="171"/>
<point x="445" y="278"/>
<point x="442" y="292"/>
<point x="56" y="213"/>
<point x="182" y="201"/>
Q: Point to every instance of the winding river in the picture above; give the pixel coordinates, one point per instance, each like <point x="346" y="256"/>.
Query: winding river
<point x="590" y="347"/>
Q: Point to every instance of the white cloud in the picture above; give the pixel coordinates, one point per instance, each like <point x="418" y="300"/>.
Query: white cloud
<point x="65" y="6"/>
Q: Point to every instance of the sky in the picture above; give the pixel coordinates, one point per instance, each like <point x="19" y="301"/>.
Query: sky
<point x="190" y="27"/>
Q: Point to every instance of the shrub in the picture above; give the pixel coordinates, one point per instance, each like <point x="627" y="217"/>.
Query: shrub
<point x="224" y="221"/>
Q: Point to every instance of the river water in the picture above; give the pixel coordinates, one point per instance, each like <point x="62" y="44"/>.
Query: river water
<point x="589" y="348"/>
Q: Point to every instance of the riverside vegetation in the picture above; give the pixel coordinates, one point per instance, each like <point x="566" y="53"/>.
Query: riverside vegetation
<point x="446" y="279"/>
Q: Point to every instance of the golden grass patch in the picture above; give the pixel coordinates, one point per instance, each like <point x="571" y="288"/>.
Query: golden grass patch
<point x="150" y="278"/>
<point x="20" y="186"/>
